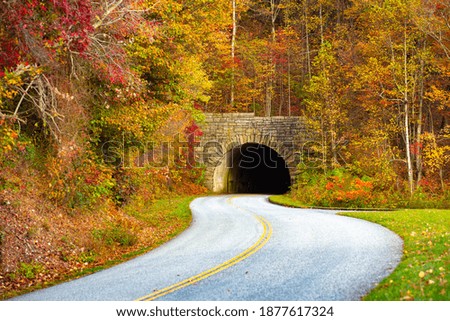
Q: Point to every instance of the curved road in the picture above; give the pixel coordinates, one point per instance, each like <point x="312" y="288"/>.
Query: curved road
<point x="244" y="248"/>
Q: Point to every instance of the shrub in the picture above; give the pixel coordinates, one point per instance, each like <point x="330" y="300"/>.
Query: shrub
<point x="78" y="178"/>
<point x="2" y="237"/>
<point x="10" y="143"/>
<point x="426" y="199"/>
<point x="342" y="188"/>
<point x="30" y="271"/>
<point x="88" y="257"/>
<point x="144" y="185"/>
<point x="116" y="234"/>
<point x="337" y="188"/>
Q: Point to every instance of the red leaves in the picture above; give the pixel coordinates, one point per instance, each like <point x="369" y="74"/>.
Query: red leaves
<point x="339" y="190"/>
<point x="41" y="31"/>
<point x="74" y="23"/>
<point x="9" y="55"/>
<point x="192" y="132"/>
<point x="47" y="32"/>
<point x="415" y="148"/>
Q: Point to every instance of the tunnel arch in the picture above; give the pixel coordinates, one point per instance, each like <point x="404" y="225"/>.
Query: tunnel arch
<point x="253" y="168"/>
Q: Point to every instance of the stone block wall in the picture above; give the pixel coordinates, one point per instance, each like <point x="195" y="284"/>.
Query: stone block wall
<point x="223" y="132"/>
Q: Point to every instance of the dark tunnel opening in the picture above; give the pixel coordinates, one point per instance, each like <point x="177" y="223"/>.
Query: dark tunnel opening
<point x="256" y="168"/>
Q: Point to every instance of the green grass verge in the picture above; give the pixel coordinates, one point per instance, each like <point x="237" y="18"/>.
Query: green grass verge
<point x="423" y="273"/>
<point x="288" y="201"/>
<point x="285" y="201"/>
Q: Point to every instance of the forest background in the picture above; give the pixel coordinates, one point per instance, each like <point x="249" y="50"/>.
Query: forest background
<point x="79" y="78"/>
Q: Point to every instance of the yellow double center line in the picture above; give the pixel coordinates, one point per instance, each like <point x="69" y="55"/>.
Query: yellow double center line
<point x="263" y="239"/>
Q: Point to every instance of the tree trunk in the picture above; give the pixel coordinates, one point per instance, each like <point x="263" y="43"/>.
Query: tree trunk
<point x="408" y="147"/>
<point x="233" y="49"/>
<point x="406" y="111"/>
<point x="419" y="162"/>
<point x="289" y="84"/>
<point x="308" y="54"/>
<point x="274" y="11"/>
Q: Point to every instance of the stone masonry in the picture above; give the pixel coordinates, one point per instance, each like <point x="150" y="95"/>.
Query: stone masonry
<point x="223" y="132"/>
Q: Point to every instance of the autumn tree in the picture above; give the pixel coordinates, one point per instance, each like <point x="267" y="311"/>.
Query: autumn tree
<point x="38" y="40"/>
<point x="52" y="49"/>
<point x="325" y="104"/>
<point x="373" y="74"/>
<point x="397" y="74"/>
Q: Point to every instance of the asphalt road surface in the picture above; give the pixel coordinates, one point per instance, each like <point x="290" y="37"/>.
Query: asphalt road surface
<point x="241" y="247"/>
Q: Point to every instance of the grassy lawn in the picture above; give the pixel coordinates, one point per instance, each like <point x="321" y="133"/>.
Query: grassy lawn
<point x="423" y="273"/>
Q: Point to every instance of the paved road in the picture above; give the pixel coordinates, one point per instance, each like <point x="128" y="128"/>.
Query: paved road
<point x="244" y="248"/>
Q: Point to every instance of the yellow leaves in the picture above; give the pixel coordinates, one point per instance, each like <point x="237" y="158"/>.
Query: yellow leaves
<point x="8" y="85"/>
<point x="194" y="78"/>
<point x="434" y="156"/>
<point x="408" y="296"/>
<point x="139" y="120"/>
<point x="9" y="139"/>
<point x="8" y="94"/>
<point x="13" y="80"/>
<point x="441" y="96"/>
<point x="426" y="277"/>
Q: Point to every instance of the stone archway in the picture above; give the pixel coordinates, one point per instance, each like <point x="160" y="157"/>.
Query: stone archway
<point x="231" y="140"/>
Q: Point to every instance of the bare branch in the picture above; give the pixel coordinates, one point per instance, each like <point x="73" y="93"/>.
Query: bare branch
<point x="23" y="96"/>
<point x="40" y="93"/>
<point x="110" y="9"/>
<point x="13" y="117"/>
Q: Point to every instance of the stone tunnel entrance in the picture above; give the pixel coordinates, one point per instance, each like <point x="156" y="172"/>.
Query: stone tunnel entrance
<point x="256" y="168"/>
<point x="232" y="138"/>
